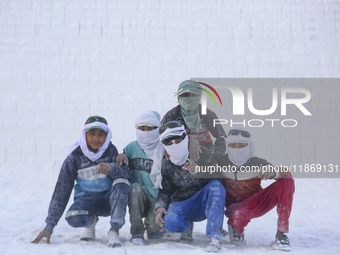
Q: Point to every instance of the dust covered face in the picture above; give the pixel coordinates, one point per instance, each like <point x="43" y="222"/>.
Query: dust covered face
<point x="147" y="136"/>
<point x="174" y="137"/>
<point x="89" y="142"/>
<point x="146" y="128"/>
<point x="239" y="146"/>
<point x="147" y="125"/>
<point x="95" y="138"/>
<point x="178" y="150"/>
<point x="189" y="103"/>
<point x="189" y="95"/>
<point x="147" y="131"/>
<point x="176" y="141"/>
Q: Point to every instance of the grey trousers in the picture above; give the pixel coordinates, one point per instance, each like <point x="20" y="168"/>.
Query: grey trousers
<point x="141" y="206"/>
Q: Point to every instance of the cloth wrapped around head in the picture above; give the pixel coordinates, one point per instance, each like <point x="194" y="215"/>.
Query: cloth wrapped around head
<point x="93" y="122"/>
<point x="241" y="155"/>
<point x="149" y="143"/>
<point x="190" y="104"/>
<point x="179" y="152"/>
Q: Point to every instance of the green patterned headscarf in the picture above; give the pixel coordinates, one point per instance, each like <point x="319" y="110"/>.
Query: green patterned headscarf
<point x="190" y="105"/>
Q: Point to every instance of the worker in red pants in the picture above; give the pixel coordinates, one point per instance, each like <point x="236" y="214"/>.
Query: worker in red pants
<point x="245" y="198"/>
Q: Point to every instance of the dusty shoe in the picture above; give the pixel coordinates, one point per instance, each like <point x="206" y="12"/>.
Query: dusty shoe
<point x="165" y="233"/>
<point x="214" y="245"/>
<point x="113" y="240"/>
<point x="281" y="243"/>
<point x="187" y="236"/>
<point x="137" y="239"/>
<point x="89" y="233"/>
<point x="154" y="234"/>
<point x="234" y="237"/>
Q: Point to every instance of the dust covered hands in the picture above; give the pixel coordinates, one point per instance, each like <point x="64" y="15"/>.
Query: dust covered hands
<point x="166" y="155"/>
<point x="45" y="233"/>
<point x="159" y="216"/>
<point x="122" y="158"/>
<point x="103" y="168"/>
<point x="274" y="172"/>
<point x="195" y="149"/>
<point x="190" y="166"/>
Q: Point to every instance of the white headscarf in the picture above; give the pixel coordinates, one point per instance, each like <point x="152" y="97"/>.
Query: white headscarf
<point x="149" y="143"/>
<point x="93" y="156"/>
<point x="241" y="155"/>
<point x="178" y="152"/>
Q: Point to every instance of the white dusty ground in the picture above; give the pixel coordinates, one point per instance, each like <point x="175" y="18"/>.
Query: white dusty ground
<point x="314" y="227"/>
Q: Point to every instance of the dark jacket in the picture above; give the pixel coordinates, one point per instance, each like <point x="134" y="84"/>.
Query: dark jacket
<point x="74" y="164"/>
<point x="178" y="184"/>
<point x="207" y="122"/>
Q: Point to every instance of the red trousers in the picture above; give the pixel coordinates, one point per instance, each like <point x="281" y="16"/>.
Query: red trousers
<point x="279" y="193"/>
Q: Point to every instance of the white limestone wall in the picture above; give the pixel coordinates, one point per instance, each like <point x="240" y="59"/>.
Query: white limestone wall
<point x="61" y="61"/>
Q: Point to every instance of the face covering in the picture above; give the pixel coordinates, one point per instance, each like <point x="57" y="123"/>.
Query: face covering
<point x="240" y="156"/>
<point x="190" y="105"/>
<point x="179" y="153"/>
<point x="148" y="141"/>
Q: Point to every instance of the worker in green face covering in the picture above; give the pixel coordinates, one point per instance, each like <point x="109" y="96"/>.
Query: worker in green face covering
<point x="189" y="96"/>
<point x="198" y="127"/>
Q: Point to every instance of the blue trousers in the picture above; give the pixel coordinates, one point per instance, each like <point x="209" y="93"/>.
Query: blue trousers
<point x="112" y="202"/>
<point x="208" y="203"/>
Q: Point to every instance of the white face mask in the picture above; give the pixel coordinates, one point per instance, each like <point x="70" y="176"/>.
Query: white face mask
<point x="241" y="155"/>
<point x="238" y="156"/>
<point x="179" y="152"/>
<point x="147" y="139"/>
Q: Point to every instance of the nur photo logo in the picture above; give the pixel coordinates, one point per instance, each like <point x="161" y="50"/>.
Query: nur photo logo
<point x="280" y="99"/>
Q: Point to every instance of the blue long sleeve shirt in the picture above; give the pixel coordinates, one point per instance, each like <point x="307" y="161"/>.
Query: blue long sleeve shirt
<point x="77" y="167"/>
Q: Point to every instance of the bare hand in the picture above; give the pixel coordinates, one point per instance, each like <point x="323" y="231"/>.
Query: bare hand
<point x="159" y="216"/>
<point x="268" y="172"/>
<point x="45" y="233"/>
<point x="284" y="173"/>
<point x="190" y="166"/>
<point x="104" y="168"/>
<point x="122" y="158"/>
<point x="167" y="156"/>
<point x="194" y="149"/>
<point x="220" y="145"/>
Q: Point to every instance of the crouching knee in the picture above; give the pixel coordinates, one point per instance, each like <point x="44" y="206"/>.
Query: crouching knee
<point x="174" y="224"/>
<point x="121" y="187"/>
<point x="216" y="188"/>
<point x="237" y="218"/>
<point x="79" y="219"/>
<point x="136" y="188"/>
<point x="287" y="184"/>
